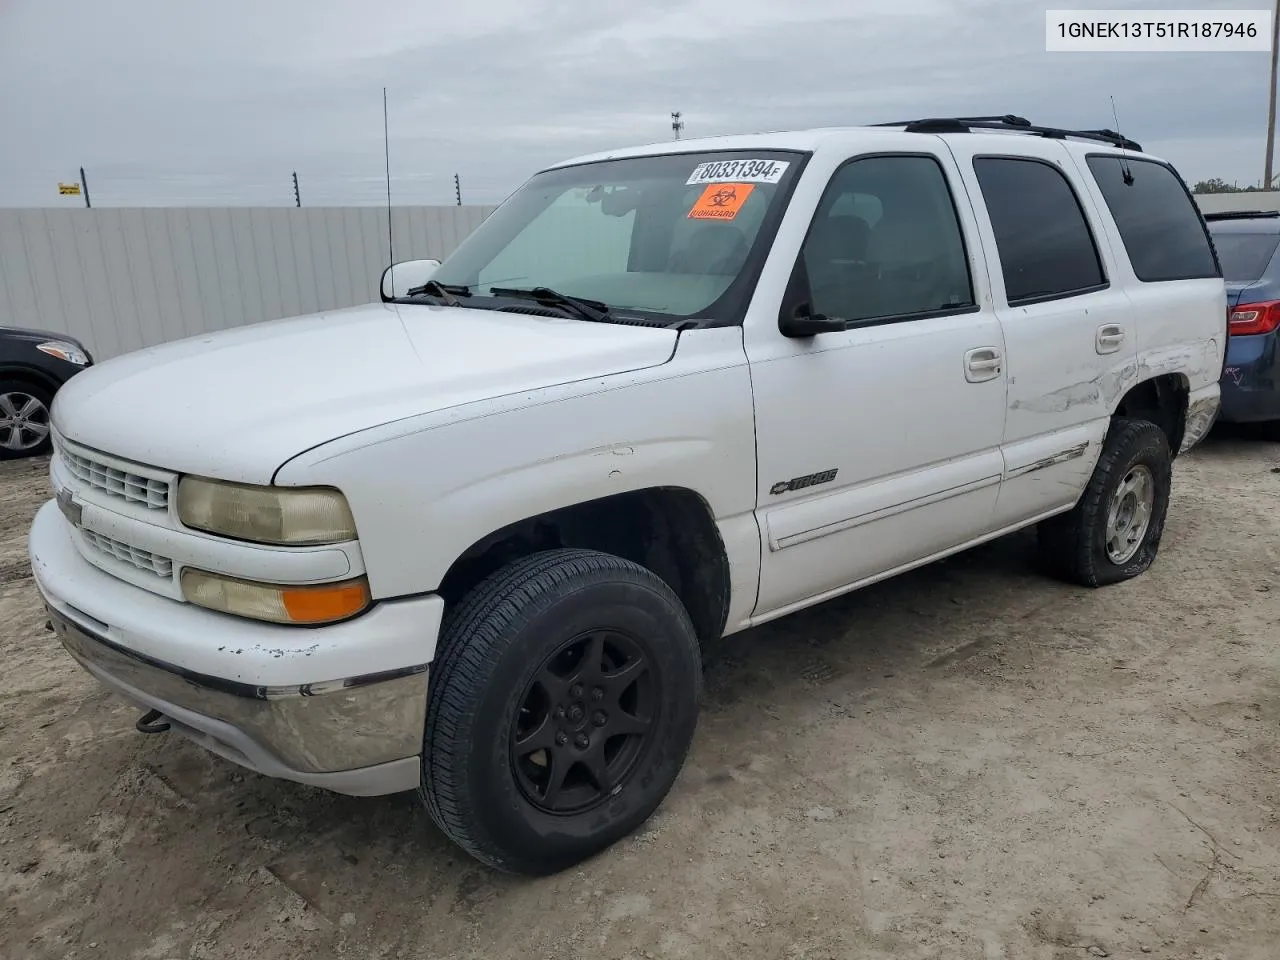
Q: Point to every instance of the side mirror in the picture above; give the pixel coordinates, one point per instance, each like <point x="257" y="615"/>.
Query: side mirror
<point x="399" y="278"/>
<point x="803" y="322"/>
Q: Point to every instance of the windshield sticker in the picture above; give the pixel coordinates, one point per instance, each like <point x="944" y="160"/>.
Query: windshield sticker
<point x="741" y="171"/>
<point x="721" y="201"/>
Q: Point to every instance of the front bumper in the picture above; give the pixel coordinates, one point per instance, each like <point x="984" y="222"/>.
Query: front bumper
<point x="294" y="734"/>
<point x="282" y="701"/>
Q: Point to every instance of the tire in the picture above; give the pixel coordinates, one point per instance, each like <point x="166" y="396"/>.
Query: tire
<point x="1075" y="544"/>
<point x="27" y="434"/>
<point x="506" y="663"/>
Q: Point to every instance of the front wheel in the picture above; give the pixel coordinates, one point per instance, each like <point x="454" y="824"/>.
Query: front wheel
<point x="563" y="701"/>
<point x="1113" y="533"/>
<point x="24" y="419"/>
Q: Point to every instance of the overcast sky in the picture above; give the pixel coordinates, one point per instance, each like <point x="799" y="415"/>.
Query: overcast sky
<point x="179" y="102"/>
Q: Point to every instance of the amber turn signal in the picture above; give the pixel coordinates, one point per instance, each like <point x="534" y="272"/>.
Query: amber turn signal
<point x="276" y="603"/>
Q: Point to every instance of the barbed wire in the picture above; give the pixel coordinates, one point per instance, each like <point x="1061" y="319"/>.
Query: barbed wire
<point x="316" y="190"/>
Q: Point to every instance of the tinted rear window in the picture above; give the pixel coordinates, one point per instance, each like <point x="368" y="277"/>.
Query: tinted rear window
<point x="1158" y="222"/>
<point x="1244" y="256"/>
<point x="1045" y="247"/>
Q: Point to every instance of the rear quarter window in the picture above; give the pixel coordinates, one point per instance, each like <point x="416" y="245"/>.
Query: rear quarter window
<point x="1158" y="221"/>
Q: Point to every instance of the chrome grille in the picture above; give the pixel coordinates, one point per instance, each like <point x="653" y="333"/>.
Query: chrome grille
<point x="133" y="487"/>
<point x="142" y="559"/>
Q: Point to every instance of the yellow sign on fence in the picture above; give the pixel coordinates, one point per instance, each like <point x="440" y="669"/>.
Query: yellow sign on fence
<point x="69" y="189"/>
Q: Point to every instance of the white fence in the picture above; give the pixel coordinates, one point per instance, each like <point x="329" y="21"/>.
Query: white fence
<point x="119" y="279"/>
<point x="1223" y="202"/>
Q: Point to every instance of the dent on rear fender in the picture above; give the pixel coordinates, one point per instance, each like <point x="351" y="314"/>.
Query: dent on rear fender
<point x="1106" y="389"/>
<point x="1196" y="361"/>
<point x="1199" y="361"/>
<point x="1116" y="383"/>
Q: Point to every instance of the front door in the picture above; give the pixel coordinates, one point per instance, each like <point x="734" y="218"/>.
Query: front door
<point x="878" y="446"/>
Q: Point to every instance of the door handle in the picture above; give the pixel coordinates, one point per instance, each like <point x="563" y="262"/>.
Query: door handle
<point x="982" y="363"/>
<point x="1109" y="338"/>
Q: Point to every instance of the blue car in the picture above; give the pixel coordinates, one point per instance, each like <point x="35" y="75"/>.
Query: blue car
<point x="1247" y="243"/>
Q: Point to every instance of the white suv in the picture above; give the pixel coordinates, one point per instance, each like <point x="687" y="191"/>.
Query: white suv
<point x="468" y="540"/>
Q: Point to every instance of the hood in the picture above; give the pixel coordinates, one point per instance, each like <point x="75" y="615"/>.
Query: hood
<point x="237" y="404"/>
<point x="36" y="336"/>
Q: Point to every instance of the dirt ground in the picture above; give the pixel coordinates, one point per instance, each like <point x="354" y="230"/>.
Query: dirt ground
<point x="968" y="761"/>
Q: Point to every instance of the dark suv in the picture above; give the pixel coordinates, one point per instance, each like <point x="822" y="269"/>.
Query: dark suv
<point x="33" y="365"/>
<point x="1247" y="243"/>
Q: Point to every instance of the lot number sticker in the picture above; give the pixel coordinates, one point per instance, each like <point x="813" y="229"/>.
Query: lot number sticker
<point x="721" y="201"/>
<point x="741" y="171"/>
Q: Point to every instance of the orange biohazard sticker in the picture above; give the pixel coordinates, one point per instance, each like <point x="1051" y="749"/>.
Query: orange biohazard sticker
<point x="721" y="201"/>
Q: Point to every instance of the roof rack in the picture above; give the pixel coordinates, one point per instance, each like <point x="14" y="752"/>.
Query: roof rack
<point x="1241" y="214"/>
<point x="1011" y="123"/>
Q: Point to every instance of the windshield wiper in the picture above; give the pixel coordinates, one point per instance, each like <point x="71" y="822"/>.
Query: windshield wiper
<point x="592" y="310"/>
<point x="445" y="291"/>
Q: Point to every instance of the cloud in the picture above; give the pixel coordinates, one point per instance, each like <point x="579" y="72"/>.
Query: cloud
<point x="167" y="102"/>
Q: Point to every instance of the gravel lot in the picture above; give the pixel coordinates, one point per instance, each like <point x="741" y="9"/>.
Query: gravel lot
<point x="968" y="761"/>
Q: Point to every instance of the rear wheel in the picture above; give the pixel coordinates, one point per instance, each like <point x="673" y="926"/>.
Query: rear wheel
<point x="24" y="419"/>
<point x="1113" y="533"/>
<point x="563" y="701"/>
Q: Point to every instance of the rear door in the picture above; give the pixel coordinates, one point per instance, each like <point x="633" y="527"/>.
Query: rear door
<point x="1067" y="326"/>
<point x="1166" y="263"/>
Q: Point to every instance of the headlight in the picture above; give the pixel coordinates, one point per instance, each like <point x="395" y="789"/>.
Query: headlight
<point x="64" y="350"/>
<point x="276" y="515"/>
<point x="310" y="605"/>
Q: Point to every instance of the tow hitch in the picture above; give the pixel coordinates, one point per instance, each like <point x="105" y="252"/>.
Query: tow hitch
<point x="152" y="722"/>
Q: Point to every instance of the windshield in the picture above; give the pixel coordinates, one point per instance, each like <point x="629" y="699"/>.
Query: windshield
<point x="1244" y="256"/>
<point x="671" y="236"/>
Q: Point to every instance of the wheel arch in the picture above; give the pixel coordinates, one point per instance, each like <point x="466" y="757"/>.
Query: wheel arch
<point x="1161" y="400"/>
<point x="670" y="530"/>
<point x="31" y="375"/>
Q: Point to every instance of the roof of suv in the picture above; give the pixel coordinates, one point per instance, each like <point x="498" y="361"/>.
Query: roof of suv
<point x="813" y="139"/>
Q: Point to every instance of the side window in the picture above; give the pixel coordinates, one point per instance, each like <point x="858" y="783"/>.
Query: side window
<point x="1158" y="223"/>
<point x="1042" y="237"/>
<point x="886" y="242"/>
